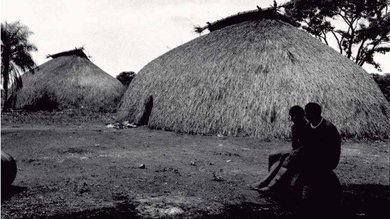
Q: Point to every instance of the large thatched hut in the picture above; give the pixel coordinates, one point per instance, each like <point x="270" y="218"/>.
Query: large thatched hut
<point x="242" y="77"/>
<point x="68" y="81"/>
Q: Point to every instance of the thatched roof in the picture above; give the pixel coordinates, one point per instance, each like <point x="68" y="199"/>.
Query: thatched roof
<point x="77" y="52"/>
<point x="242" y="79"/>
<point x="258" y="14"/>
<point x="69" y="80"/>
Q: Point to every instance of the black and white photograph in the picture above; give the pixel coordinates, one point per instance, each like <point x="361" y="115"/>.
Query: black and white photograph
<point x="197" y="109"/>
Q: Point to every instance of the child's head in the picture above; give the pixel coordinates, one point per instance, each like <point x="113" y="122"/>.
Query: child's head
<point x="297" y="113"/>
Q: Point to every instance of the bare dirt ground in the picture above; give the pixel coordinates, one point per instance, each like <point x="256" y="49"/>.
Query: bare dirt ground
<point x="75" y="167"/>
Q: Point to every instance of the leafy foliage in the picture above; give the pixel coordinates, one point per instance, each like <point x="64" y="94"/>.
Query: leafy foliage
<point x="383" y="82"/>
<point x="15" y="55"/>
<point x="365" y="28"/>
<point x="126" y="77"/>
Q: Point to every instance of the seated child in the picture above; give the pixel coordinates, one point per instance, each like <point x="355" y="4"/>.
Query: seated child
<point x="284" y="166"/>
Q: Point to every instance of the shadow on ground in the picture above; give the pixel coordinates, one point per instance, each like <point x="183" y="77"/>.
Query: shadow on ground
<point x="10" y="191"/>
<point x="369" y="201"/>
<point x="358" y="201"/>
<point x="121" y="210"/>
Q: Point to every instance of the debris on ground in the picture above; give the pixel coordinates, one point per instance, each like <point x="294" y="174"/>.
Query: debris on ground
<point x="173" y="211"/>
<point x="217" y="178"/>
<point x="168" y="169"/>
<point x="121" y="125"/>
<point x="166" y="206"/>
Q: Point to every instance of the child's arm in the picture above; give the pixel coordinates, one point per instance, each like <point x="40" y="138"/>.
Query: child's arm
<point x="295" y="159"/>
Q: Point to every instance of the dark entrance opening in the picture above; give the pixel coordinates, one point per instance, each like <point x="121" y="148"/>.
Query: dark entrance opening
<point x="148" y="106"/>
<point x="47" y="102"/>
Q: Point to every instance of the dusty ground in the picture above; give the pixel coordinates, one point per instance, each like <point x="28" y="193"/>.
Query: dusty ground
<point x="78" y="168"/>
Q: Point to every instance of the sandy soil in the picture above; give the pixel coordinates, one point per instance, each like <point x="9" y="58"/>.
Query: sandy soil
<point x="83" y="169"/>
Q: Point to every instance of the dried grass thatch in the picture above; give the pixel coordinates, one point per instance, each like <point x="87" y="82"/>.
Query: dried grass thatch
<point x="241" y="80"/>
<point x="68" y="81"/>
<point x="258" y="14"/>
<point x="77" y="51"/>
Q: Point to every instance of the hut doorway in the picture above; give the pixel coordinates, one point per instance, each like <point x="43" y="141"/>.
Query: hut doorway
<point x="147" y="110"/>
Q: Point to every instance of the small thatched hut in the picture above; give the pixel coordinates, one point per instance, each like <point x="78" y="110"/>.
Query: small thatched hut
<point x="242" y="77"/>
<point x="68" y="81"/>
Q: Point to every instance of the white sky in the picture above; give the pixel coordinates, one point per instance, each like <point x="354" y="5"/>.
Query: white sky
<point x="122" y="35"/>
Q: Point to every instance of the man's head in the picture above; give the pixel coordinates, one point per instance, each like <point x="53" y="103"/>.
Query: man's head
<point x="313" y="112"/>
<point x="296" y="113"/>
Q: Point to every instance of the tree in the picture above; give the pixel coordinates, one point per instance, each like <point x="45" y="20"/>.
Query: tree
<point x="126" y="77"/>
<point x="15" y="55"/>
<point x="383" y="82"/>
<point x="365" y="28"/>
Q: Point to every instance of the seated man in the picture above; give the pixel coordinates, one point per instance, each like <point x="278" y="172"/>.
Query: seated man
<point x="321" y="188"/>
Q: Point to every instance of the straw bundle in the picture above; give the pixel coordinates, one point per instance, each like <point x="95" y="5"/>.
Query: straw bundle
<point x="242" y="79"/>
<point x="69" y="80"/>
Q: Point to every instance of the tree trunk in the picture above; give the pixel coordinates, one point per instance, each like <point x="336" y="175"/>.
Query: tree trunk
<point x="349" y="52"/>
<point x="5" y="74"/>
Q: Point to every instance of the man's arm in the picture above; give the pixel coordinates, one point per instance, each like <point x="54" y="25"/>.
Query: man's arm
<point x="327" y="155"/>
<point x="334" y="147"/>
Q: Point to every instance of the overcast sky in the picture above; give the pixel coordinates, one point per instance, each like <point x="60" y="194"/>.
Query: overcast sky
<point x="122" y="35"/>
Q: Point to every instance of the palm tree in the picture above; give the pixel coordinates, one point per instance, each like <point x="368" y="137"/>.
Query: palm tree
<point x="15" y="55"/>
